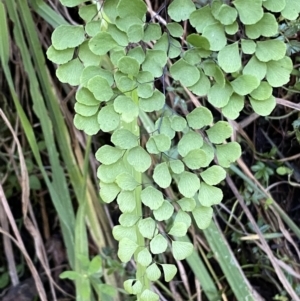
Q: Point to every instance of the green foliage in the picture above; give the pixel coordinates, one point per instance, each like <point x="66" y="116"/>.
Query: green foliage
<point x="182" y="148"/>
<point x="262" y="172"/>
<point x="90" y="274"/>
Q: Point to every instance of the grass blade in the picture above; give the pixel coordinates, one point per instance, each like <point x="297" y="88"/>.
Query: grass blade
<point x="229" y="265"/>
<point x="201" y="273"/>
<point x="58" y="187"/>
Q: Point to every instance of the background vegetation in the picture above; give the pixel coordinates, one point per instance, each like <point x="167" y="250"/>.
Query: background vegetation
<point x="48" y="169"/>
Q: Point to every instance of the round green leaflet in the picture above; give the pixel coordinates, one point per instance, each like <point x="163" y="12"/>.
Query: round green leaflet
<point x="164" y="127"/>
<point x="145" y="87"/>
<point x="153" y="103"/>
<point x="139" y="159"/>
<point x="152" y="197"/>
<point x="109" y="192"/>
<point x="152" y="32"/>
<point x="186" y="73"/>
<point x="201" y="18"/>
<point x="102" y="43"/>
<point x="87" y="56"/>
<point x="164" y="212"/>
<point x="291" y="10"/>
<point x="70" y="72"/>
<point x="60" y="56"/>
<point x="267" y="26"/>
<point x="248" y="46"/>
<point x="169" y="45"/>
<point x="209" y="195"/>
<point x="125" y="23"/>
<point x="234" y="106"/>
<point x="144" y="257"/>
<point x="270" y="50"/>
<point x="264" y="107"/>
<point x="178" y="229"/>
<point x="154" y="62"/>
<point x="199" y="118"/>
<point x="153" y="272"/>
<point x="162" y="176"/>
<point x="209" y="151"/>
<point x="128" y="65"/>
<point x="250" y="11"/>
<point x="219" y="132"/>
<point x="229" y="58"/>
<point x="180" y="10"/>
<point x="100" y="87"/>
<point x="256" y="68"/>
<point x="147" y="227"/>
<point x="232" y="28"/>
<point x="109" y="173"/>
<point x="91" y="71"/>
<point x="124" y="139"/>
<point x="228" y="153"/>
<point x="178" y="123"/>
<point x="123" y="82"/>
<point x="108" y="119"/>
<point x="170" y="271"/>
<point x="126" y="181"/>
<point x="133" y="286"/>
<point x="135" y="33"/>
<point x="75" y="36"/>
<point x="244" y="84"/>
<point x="202" y="216"/>
<point x="183" y="217"/>
<point x="216" y="7"/>
<point x="93" y="27"/>
<point x="84" y="110"/>
<point x="88" y="12"/>
<point x="202" y="86"/>
<point x="139" y="55"/>
<point x="108" y="154"/>
<point x="278" y="72"/>
<point x="215" y="35"/>
<point x="120" y="232"/>
<point x="126" y="201"/>
<point x="158" y="244"/>
<point x="195" y="159"/>
<point x="187" y="204"/>
<point x="188" y="184"/>
<point x="176" y="166"/>
<point x="263" y="91"/>
<point x="89" y="125"/>
<point x="198" y="42"/>
<point x="85" y="97"/>
<point x="158" y="143"/>
<point x="189" y="141"/>
<point x="219" y="96"/>
<point x="175" y="29"/>
<point x="226" y="14"/>
<point x="136" y="8"/>
<point x="127" y="108"/>
<point x="181" y="250"/>
<point x="128" y="219"/>
<point x="213" y="175"/>
<point x="148" y="295"/>
<point x="274" y="5"/>
<point x="126" y="249"/>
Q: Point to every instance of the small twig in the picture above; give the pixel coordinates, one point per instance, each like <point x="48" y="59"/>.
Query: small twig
<point x="288" y="103"/>
<point x="9" y="254"/>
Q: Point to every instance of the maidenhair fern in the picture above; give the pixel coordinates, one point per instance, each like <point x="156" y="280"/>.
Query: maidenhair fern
<point x="235" y="54"/>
